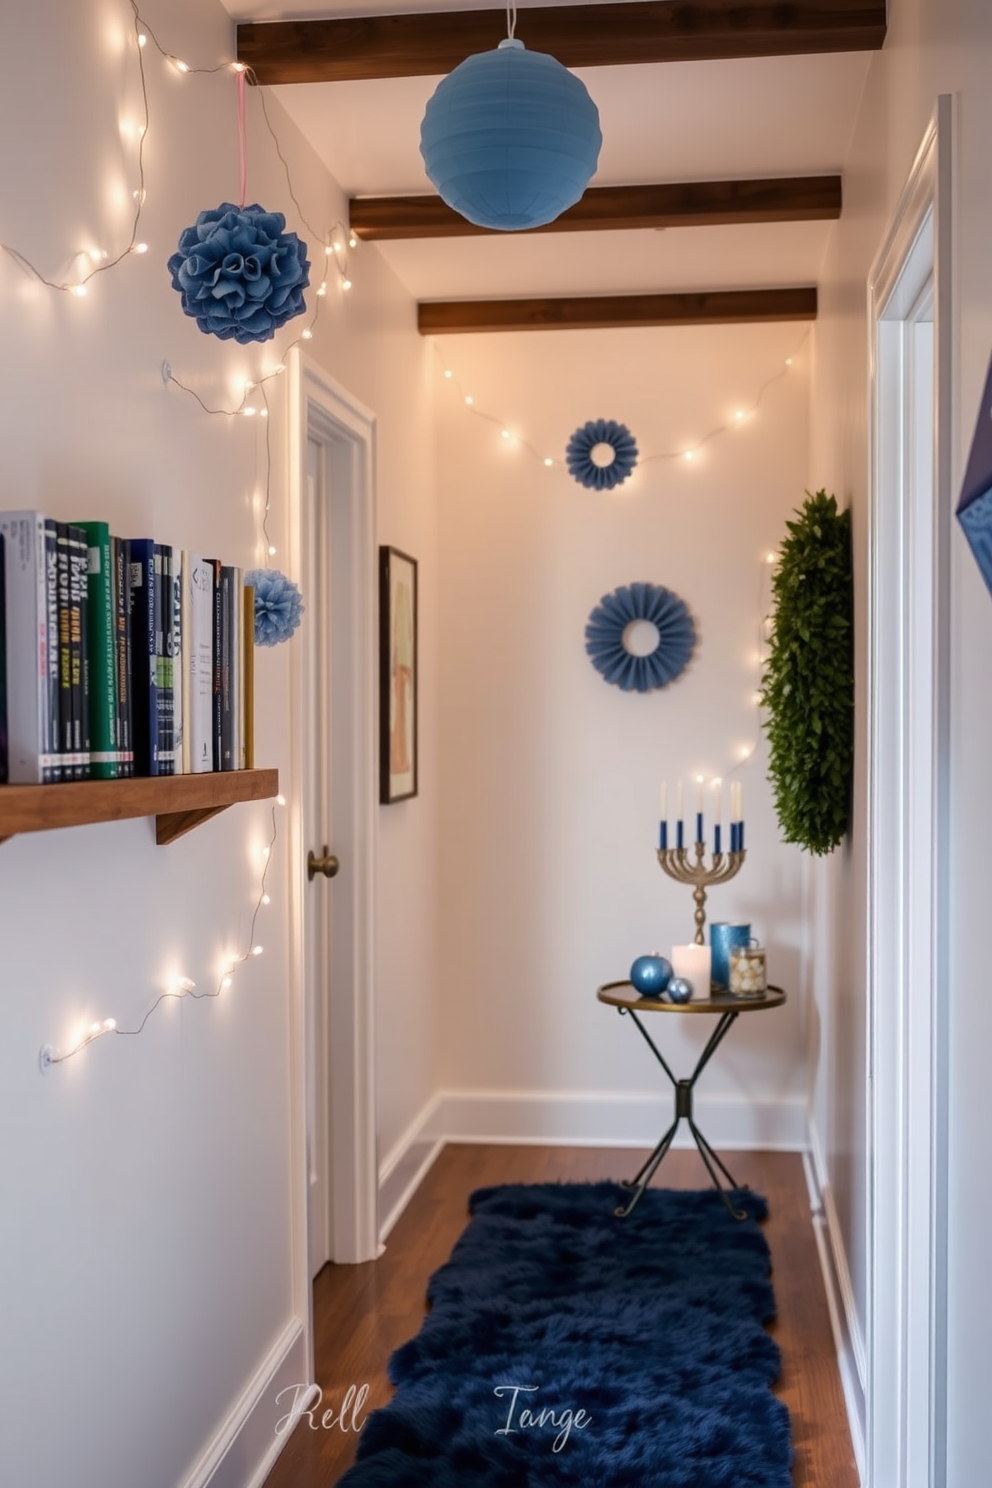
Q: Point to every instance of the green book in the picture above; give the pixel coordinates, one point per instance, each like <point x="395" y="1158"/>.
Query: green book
<point x="101" y="638"/>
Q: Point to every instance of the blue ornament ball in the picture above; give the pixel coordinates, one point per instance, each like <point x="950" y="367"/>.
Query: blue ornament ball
<point x="650" y="975"/>
<point x="510" y="138"/>
<point x="679" y="989"/>
<point x="240" y="274"/>
<point x="278" y="605"/>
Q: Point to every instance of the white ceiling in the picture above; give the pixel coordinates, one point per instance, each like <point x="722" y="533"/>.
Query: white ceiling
<point x="661" y="122"/>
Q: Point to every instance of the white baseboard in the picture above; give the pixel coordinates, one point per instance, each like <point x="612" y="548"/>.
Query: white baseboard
<point x="613" y="1119"/>
<point x="243" y="1451"/>
<point x="844" y="1319"/>
<point x="403" y="1170"/>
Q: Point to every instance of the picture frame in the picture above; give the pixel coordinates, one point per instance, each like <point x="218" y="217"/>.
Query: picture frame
<point x="398" y="676"/>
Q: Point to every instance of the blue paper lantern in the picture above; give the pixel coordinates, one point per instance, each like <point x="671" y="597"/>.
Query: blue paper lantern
<point x="511" y="138"/>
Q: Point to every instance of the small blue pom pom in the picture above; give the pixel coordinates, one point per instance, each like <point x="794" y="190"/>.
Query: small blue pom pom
<point x="650" y="975"/>
<point x="278" y="605"/>
<point x="679" y="990"/>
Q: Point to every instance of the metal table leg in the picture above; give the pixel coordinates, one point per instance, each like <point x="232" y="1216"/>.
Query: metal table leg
<point x="683" y="1111"/>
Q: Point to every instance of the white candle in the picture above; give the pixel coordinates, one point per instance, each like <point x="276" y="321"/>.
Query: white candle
<point x="663" y="801"/>
<point x="699" y="793"/>
<point x="740" y="802"/>
<point x="734" y="789"/>
<point x="717" y="799"/>
<point x="694" y="963"/>
<point x="679" y="803"/>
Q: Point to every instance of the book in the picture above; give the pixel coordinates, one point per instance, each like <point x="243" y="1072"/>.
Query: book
<point x="78" y="658"/>
<point x="3" y="670"/>
<point x="180" y="750"/>
<point x="26" y="609"/>
<point x="64" y="608"/>
<point x="218" y="664"/>
<point x="198" y="661"/>
<point x="122" y="653"/>
<point x="162" y="721"/>
<point x="53" y="771"/>
<point x="144" y="668"/>
<point x="101" y="649"/>
<point x="228" y="641"/>
<point x="249" y="688"/>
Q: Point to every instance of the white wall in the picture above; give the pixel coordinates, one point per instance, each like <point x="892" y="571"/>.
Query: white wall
<point x="934" y="46"/>
<point x="549" y="882"/>
<point x="145" y="1226"/>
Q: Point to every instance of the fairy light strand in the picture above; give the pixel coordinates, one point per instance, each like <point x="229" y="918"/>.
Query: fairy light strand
<point x="686" y="453"/>
<point x="333" y="242"/>
<point x="183" y="987"/>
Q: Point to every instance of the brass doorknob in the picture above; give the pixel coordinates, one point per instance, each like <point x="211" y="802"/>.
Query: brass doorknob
<point x="328" y="865"/>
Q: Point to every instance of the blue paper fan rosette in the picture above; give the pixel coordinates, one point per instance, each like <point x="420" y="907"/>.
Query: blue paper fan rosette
<point x="587" y="471"/>
<point x="676" y="637"/>
<point x="240" y="274"/>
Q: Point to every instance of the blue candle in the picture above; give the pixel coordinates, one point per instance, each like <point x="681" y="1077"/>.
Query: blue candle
<point x="679" y="835"/>
<point x="663" y="836"/>
<point x="716" y="837"/>
<point x="699" y="826"/>
<point x="740" y="836"/>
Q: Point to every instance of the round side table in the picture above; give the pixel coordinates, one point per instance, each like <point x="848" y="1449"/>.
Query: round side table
<point x="628" y="1002"/>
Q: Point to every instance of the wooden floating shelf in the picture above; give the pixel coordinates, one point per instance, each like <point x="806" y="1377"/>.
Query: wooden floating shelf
<point x="178" y="802"/>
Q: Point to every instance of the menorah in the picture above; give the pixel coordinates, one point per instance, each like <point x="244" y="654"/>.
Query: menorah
<point x="675" y="861"/>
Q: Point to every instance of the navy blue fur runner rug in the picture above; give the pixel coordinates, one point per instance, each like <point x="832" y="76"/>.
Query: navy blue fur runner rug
<point x="566" y="1348"/>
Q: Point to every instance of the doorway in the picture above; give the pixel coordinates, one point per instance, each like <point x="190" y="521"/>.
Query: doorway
<point x="909" y="529"/>
<point x="332" y="469"/>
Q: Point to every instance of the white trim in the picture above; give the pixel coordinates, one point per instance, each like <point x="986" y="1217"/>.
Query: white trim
<point x="613" y="1119"/>
<point x="844" y="1321"/>
<point x="907" y="934"/>
<point x="321" y="409"/>
<point x="242" y="1452"/>
<point x="403" y="1171"/>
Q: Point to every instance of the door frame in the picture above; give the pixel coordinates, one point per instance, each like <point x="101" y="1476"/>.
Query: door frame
<point x="320" y="409"/>
<point x="908" y="692"/>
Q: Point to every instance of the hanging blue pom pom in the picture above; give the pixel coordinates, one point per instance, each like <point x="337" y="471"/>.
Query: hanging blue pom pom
<point x="278" y="605"/>
<point x="240" y="273"/>
<point x="601" y="454"/>
<point x="608" y="623"/>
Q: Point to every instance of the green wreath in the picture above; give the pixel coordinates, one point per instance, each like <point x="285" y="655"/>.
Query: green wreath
<point x="808" y="683"/>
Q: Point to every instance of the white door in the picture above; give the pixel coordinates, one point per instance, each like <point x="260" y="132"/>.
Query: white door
<point x="332" y="472"/>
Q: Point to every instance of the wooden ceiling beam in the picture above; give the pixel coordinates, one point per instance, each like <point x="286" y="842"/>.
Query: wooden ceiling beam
<point x="680" y="204"/>
<point x="602" y="312"/>
<point x="423" y="45"/>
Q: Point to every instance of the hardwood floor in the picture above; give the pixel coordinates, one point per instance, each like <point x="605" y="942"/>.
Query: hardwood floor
<point x="361" y="1313"/>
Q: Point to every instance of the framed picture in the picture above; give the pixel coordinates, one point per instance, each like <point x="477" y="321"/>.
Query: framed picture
<point x="397" y="676"/>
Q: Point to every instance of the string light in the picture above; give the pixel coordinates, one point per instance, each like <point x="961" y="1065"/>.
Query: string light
<point x="688" y="456"/>
<point x="182" y="986"/>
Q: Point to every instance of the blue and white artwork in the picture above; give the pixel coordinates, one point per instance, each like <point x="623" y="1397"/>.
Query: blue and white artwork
<point x="975" y="506"/>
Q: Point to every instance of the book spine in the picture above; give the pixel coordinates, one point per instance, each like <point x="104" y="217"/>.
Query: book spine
<point x="179" y="745"/>
<point x="65" y="651"/>
<point x="159" y="643"/>
<point x="125" y="666"/>
<point x="53" y="767"/>
<point x="144" y="661"/>
<point x="249" y="688"/>
<point x="28" y="734"/>
<point x="79" y="659"/>
<point x="100" y="623"/>
<point x="228" y="582"/>
<point x="237" y="666"/>
<point x="218" y="666"/>
<point x="198" y="582"/>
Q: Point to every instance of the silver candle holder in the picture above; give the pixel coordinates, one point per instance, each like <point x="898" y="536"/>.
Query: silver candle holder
<point x="676" y="863"/>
